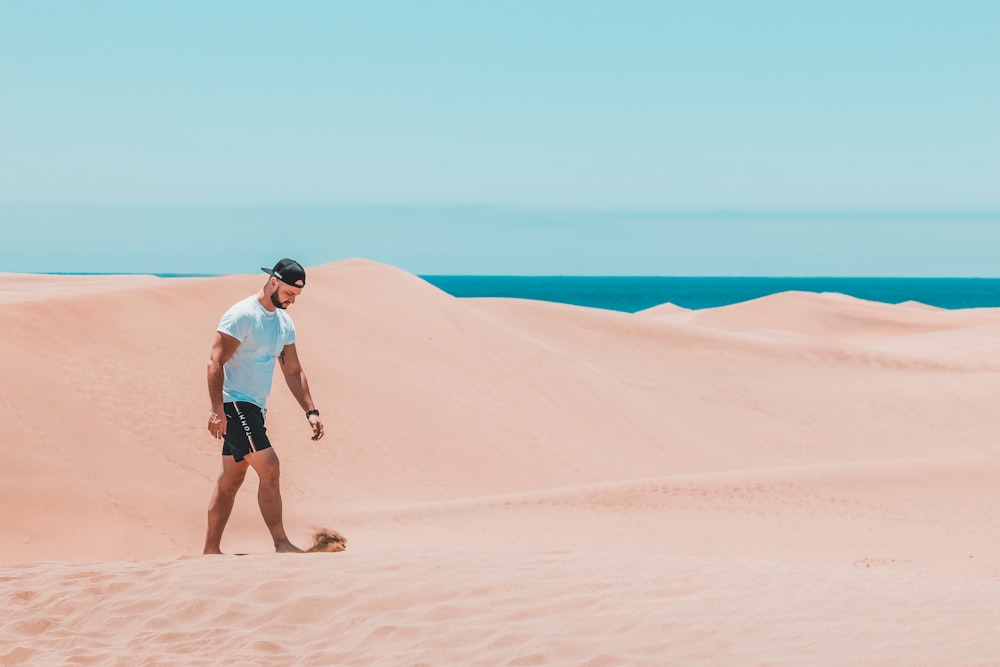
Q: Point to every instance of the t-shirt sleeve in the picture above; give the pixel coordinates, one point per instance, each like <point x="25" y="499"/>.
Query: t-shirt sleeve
<point x="235" y="322"/>
<point x="290" y="335"/>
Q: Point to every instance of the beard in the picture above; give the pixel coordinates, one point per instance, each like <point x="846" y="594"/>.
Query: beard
<point x="278" y="304"/>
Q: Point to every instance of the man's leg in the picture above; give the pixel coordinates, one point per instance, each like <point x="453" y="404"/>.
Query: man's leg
<point x="265" y="462"/>
<point x="221" y="504"/>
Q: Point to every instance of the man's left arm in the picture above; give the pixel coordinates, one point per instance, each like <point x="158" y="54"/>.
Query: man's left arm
<point x="296" y="380"/>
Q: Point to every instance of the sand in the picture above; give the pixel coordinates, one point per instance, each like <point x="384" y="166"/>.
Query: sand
<point x="799" y="479"/>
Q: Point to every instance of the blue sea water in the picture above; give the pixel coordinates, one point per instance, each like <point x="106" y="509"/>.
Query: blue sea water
<point x="634" y="293"/>
<point x="631" y="294"/>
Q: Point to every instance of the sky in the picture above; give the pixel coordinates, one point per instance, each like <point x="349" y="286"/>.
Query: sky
<point x="538" y="137"/>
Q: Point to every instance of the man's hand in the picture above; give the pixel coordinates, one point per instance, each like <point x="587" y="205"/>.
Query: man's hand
<point x="216" y="423"/>
<point x="317" y="426"/>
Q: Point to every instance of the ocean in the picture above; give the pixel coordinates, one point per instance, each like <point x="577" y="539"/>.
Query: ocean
<point x="630" y="294"/>
<point x="633" y="293"/>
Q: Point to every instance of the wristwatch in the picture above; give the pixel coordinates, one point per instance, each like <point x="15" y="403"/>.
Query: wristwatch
<point x="312" y="412"/>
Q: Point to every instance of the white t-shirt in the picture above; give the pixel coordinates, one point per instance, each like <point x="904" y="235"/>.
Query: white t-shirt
<point x="262" y="336"/>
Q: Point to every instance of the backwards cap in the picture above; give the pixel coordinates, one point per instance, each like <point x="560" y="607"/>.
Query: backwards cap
<point x="289" y="272"/>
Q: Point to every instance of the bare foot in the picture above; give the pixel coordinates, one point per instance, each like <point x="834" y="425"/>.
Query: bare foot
<point x="212" y="552"/>
<point x="287" y="547"/>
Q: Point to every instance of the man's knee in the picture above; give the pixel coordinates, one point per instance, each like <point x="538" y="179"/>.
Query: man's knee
<point x="266" y="464"/>
<point x="231" y="478"/>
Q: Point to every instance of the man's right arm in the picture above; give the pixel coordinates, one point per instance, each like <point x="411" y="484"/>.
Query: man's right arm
<point x="223" y="348"/>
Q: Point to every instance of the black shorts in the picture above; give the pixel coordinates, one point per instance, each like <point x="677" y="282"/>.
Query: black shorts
<point x="245" y="430"/>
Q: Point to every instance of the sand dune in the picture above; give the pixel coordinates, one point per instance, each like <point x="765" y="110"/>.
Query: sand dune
<point x="474" y="608"/>
<point x="838" y="316"/>
<point x="799" y="479"/>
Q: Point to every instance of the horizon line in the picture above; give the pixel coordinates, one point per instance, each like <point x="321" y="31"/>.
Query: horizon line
<point x="527" y="275"/>
<point x="637" y="211"/>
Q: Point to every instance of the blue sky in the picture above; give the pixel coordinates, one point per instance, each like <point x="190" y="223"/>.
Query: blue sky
<point x="627" y="137"/>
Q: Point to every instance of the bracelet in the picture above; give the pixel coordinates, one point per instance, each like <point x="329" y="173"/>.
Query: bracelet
<point x="312" y="412"/>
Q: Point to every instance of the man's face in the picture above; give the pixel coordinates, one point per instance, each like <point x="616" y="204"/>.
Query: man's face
<point x="283" y="295"/>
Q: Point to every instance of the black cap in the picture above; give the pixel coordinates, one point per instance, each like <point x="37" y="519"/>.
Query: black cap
<point x="289" y="272"/>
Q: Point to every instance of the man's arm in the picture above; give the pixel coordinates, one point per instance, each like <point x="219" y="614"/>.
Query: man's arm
<point x="296" y="380"/>
<point x="223" y="348"/>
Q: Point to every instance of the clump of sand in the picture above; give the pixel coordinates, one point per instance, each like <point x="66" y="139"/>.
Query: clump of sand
<point x="327" y="540"/>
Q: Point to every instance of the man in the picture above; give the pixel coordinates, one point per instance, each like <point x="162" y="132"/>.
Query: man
<point x="252" y="334"/>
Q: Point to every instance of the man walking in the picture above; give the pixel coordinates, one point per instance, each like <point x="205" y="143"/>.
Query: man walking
<point x="251" y="335"/>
